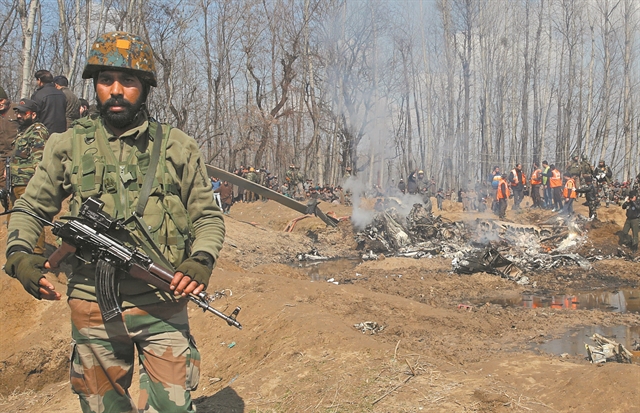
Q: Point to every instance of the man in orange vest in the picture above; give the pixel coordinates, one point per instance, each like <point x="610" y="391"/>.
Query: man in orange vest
<point x="570" y="193"/>
<point x="536" y="182"/>
<point x="555" y="182"/>
<point x="518" y="181"/>
<point x="502" y="194"/>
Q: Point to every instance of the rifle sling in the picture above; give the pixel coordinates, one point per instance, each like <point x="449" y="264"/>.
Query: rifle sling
<point x="145" y="191"/>
<point x="143" y="198"/>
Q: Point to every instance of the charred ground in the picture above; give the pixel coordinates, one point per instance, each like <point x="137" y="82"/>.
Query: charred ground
<point x="299" y="350"/>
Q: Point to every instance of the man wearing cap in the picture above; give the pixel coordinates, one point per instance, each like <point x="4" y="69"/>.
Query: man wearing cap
<point x="8" y="130"/>
<point x="632" y="205"/>
<point x="73" y="103"/>
<point x="26" y="154"/>
<point x="114" y="155"/>
<point x="52" y="103"/>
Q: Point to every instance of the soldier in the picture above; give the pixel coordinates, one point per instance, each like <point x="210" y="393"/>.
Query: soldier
<point x="251" y="176"/>
<point x="113" y="156"/>
<point x="8" y="130"/>
<point x="632" y="205"/>
<point x="575" y="166"/>
<point x="27" y="153"/>
<point x="603" y="175"/>
<point x="585" y="169"/>
<point x="591" y="195"/>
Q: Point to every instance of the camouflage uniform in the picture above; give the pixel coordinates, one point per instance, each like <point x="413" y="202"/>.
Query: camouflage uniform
<point x="181" y="217"/>
<point x="27" y="153"/>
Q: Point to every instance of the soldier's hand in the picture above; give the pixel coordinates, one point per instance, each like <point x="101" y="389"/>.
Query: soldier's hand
<point x="27" y="268"/>
<point x="192" y="276"/>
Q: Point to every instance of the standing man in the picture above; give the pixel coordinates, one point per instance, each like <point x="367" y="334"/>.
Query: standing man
<point x="546" y="187"/>
<point x="51" y="102"/>
<point x="591" y="195"/>
<point x="632" y="205"/>
<point x="26" y="154"/>
<point x="402" y="187"/>
<point x="502" y="194"/>
<point x="603" y="175"/>
<point x="570" y="193"/>
<point x="73" y="103"/>
<point x="536" y="182"/>
<point x="107" y="156"/>
<point x="226" y="196"/>
<point x="555" y="182"/>
<point x="517" y="180"/>
<point x="8" y="131"/>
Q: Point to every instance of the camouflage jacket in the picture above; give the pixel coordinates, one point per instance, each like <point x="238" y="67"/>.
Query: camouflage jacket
<point x="27" y="153"/>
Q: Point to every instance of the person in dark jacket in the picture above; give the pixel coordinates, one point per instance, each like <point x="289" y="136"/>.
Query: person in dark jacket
<point x="591" y="195"/>
<point x="226" y="196"/>
<point x="51" y="102"/>
<point x="632" y="205"/>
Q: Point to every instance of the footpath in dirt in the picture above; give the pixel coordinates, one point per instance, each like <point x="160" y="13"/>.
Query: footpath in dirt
<point x="428" y="339"/>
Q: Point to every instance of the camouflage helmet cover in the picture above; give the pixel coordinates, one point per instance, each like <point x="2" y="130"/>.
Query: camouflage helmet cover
<point x="121" y="50"/>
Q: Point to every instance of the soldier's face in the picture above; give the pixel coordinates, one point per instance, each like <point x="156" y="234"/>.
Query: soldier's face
<point x="4" y="105"/>
<point x="120" y="96"/>
<point x="24" y="118"/>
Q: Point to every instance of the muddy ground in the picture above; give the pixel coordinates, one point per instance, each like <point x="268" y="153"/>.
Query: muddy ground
<point x="299" y="350"/>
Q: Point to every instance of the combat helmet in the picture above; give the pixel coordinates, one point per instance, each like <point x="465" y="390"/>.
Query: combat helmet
<point x="121" y="50"/>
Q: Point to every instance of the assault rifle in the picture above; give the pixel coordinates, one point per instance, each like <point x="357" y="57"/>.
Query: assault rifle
<point x="5" y="192"/>
<point x="88" y="237"/>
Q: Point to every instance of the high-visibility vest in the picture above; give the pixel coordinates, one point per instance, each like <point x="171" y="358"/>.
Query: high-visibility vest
<point x="569" y="189"/>
<point x="503" y="190"/>
<point x="556" y="179"/>
<point x="536" y="177"/>
<point x="515" y="181"/>
<point x="545" y="178"/>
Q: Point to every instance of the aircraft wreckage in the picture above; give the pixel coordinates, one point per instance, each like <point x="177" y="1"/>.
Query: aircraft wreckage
<point x="482" y="245"/>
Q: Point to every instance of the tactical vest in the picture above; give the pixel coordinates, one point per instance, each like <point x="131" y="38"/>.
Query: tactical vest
<point x="164" y="230"/>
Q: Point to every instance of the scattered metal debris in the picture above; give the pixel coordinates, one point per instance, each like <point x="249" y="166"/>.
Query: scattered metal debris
<point x="607" y="350"/>
<point x="369" y="326"/>
<point x="497" y="247"/>
<point x="313" y="255"/>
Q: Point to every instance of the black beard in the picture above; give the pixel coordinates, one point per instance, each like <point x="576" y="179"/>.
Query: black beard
<point x="24" y="123"/>
<point x="120" y="120"/>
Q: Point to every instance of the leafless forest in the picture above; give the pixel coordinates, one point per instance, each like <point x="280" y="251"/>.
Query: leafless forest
<point x="449" y="86"/>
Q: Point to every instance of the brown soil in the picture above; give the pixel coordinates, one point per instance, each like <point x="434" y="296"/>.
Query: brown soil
<point x="299" y="350"/>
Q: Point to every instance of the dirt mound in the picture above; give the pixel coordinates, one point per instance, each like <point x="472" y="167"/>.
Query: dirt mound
<point x="439" y="344"/>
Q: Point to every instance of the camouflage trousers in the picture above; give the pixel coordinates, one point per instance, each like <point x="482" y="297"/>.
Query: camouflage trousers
<point x="103" y="354"/>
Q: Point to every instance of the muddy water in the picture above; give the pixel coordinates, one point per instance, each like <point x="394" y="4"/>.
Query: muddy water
<point x="621" y="301"/>
<point x="572" y="342"/>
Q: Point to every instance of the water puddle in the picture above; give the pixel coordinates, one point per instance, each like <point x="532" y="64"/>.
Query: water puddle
<point x="621" y="301"/>
<point x="323" y="270"/>
<point x="572" y="342"/>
